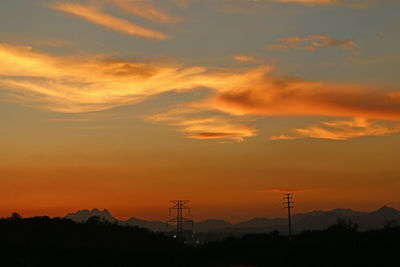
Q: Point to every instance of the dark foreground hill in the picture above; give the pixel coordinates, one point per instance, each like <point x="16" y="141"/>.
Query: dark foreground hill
<point x="42" y="241"/>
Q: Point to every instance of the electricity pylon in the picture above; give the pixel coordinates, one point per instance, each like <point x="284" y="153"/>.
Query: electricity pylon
<point x="180" y="206"/>
<point x="289" y="204"/>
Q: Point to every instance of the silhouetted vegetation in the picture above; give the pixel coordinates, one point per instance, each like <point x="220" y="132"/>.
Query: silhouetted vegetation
<point x="44" y="241"/>
<point x="340" y="245"/>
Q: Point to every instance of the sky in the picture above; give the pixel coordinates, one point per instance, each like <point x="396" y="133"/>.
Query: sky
<point x="128" y="104"/>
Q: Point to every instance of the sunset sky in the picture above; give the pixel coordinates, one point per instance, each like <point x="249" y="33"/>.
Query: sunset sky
<point x="127" y="104"/>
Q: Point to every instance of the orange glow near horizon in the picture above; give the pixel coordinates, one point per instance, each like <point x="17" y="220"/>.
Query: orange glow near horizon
<point x="144" y="191"/>
<point x="125" y="104"/>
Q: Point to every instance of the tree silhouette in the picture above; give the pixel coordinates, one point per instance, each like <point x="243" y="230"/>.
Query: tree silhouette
<point x="15" y="216"/>
<point x="44" y="241"/>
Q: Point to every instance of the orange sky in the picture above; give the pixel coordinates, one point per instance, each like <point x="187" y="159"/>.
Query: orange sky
<point x="126" y="105"/>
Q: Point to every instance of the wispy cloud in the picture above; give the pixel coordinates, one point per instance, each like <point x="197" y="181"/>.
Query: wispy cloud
<point x="349" y="3"/>
<point x="342" y="130"/>
<point x="146" y="9"/>
<point x="205" y="127"/>
<point x="311" y="43"/>
<point x="216" y="128"/>
<point x="244" y="58"/>
<point x="182" y="3"/>
<point x="93" y="83"/>
<point x="50" y="43"/>
<point x="288" y="190"/>
<point x="311" y="3"/>
<point x="95" y="15"/>
<point x="266" y="95"/>
<point x="252" y="6"/>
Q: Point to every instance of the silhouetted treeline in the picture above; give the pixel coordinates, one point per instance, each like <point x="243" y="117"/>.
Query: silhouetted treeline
<point x="42" y="241"/>
<point x="338" y="246"/>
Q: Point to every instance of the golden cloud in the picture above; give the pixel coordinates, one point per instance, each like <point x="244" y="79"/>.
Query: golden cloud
<point x="145" y="9"/>
<point x="287" y="190"/>
<point x="95" y="15"/>
<point x="243" y="58"/>
<point x="263" y="95"/>
<point x="70" y="84"/>
<point x="204" y="127"/>
<point x="311" y="43"/>
<point x="239" y="6"/>
<point x="93" y="83"/>
<point x="342" y="130"/>
<point x="350" y="3"/>
<point x="216" y="128"/>
<point x="346" y="3"/>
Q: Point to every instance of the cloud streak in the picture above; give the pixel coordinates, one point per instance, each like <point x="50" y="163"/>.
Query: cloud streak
<point x="312" y="43"/>
<point x="342" y="130"/>
<point x="216" y="128"/>
<point x="348" y="3"/>
<point x="287" y="190"/>
<point x="69" y="84"/>
<point x="94" y="83"/>
<point x="97" y="16"/>
<point x="265" y="95"/>
<point x="205" y="127"/>
<point x="240" y="5"/>
<point x="243" y="58"/>
<point x="145" y="9"/>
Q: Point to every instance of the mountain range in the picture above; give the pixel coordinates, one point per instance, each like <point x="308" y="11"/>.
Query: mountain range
<point x="314" y="220"/>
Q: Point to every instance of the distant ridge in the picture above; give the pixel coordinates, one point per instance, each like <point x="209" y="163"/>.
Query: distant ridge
<point x="84" y="215"/>
<point x="211" y="225"/>
<point x="156" y="226"/>
<point x="314" y="220"/>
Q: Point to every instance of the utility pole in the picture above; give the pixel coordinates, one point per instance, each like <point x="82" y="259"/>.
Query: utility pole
<point x="180" y="206"/>
<point x="289" y="204"/>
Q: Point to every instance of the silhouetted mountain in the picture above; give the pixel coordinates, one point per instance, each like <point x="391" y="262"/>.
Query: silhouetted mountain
<point x="156" y="226"/>
<point x="385" y="211"/>
<point x="84" y="215"/>
<point x="349" y="212"/>
<point x="317" y="220"/>
<point x="314" y="220"/>
<point x="339" y="212"/>
<point x="372" y="220"/>
<point x="211" y="225"/>
<point x="378" y="218"/>
<point x="258" y="225"/>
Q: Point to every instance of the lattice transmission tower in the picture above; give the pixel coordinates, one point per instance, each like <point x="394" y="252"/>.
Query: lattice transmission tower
<point x="180" y="206"/>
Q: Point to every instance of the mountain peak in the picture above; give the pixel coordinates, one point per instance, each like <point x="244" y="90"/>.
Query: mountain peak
<point x="386" y="208"/>
<point x="84" y="215"/>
